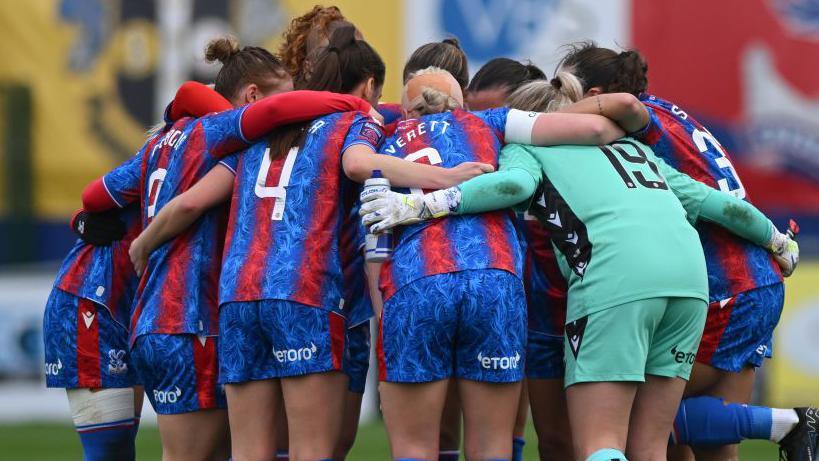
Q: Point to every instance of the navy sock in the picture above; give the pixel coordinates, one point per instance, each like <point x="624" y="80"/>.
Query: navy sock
<point x="517" y="448"/>
<point x="106" y="441"/>
<point x="704" y="421"/>
<point x="282" y="455"/>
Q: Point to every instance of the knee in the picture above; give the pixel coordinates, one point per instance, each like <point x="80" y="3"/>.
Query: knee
<point x="254" y="452"/>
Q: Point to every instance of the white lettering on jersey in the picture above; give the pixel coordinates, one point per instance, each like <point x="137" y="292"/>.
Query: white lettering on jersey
<point x="434" y="127"/>
<point x="278" y="192"/>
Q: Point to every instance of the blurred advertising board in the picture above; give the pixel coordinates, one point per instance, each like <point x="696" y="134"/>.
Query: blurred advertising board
<point x="793" y="378"/>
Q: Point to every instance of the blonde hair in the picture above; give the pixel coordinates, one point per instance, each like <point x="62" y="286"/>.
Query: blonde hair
<point x="432" y="100"/>
<point x="547" y="96"/>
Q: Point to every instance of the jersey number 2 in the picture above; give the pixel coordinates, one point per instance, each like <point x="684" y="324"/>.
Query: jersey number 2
<point x="278" y="192"/>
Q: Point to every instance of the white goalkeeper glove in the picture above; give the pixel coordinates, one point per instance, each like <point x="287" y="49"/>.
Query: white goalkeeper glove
<point x="785" y="249"/>
<point x="384" y="210"/>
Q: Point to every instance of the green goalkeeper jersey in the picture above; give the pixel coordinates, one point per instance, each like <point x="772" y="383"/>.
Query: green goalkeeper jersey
<point x="619" y="219"/>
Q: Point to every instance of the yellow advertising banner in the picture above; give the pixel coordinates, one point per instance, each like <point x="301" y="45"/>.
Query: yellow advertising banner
<point x="96" y="70"/>
<point x="794" y="372"/>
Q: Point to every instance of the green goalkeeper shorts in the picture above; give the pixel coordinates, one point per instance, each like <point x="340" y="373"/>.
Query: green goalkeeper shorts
<point x="656" y="336"/>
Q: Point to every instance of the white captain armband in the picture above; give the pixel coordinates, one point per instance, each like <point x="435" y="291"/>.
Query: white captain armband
<point x="519" y="126"/>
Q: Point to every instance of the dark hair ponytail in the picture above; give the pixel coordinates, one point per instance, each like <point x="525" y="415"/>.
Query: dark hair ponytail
<point x="241" y="66"/>
<point x="446" y="54"/>
<point x="504" y="73"/>
<point x="344" y="64"/>
<point x="625" y="72"/>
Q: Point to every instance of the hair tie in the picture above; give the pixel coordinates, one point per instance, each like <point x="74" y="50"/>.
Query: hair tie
<point x="333" y="49"/>
<point x="556" y="83"/>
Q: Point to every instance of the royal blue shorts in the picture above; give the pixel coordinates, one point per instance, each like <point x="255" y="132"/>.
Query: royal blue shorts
<point x="469" y="324"/>
<point x="179" y="372"/>
<point x="544" y="356"/>
<point x="274" y="338"/>
<point x="357" y="356"/>
<point x="84" y="346"/>
<point x="739" y="330"/>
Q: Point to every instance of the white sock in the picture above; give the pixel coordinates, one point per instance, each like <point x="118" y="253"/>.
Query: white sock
<point x="783" y="421"/>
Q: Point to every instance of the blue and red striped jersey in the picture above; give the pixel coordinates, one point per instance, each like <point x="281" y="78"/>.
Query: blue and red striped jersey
<point x="734" y="264"/>
<point x="286" y="216"/>
<point x="357" y="304"/>
<point x="456" y="243"/>
<point x="104" y="275"/>
<point x="545" y="286"/>
<point x="390" y="111"/>
<point x="178" y="292"/>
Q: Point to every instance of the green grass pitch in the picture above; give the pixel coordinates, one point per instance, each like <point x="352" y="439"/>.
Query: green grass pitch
<point x="58" y="442"/>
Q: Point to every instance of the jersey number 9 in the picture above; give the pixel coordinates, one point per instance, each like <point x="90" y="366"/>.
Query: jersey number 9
<point x="640" y="159"/>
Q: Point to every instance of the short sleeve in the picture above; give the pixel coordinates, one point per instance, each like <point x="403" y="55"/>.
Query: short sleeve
<point x="231" y="162"/>
<point x="223" y="132"/>
<point x="689" y="192"/>
<point x="123" y="182"/>
<point x="495" y="118"/>
<point x="652" y="132"/>
<point x="366" y="131"/>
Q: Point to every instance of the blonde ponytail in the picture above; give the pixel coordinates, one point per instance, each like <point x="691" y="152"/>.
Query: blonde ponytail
<point x="547" y="96"/>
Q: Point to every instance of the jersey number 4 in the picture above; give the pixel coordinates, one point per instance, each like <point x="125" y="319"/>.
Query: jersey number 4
<point x="278" y="192"/>
<point x="641" y="160"/>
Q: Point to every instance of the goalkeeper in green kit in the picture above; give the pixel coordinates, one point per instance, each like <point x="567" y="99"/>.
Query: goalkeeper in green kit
<point x="620" y="220"/>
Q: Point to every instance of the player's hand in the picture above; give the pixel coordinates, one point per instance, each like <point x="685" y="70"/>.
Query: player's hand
<point x="466" y="171"/>
<point x="785" y="249"/>
<point x="98" y="229"/>
<point x="384" y="210"/>
<point x="387" y="209"/>
<point x="138" y="253"/>
<point x="376" y="115"/>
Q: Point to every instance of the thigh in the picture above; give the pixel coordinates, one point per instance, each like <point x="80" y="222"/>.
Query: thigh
<point x="314" y="404"/>
<point x="652" y="417"/>
<point x="550" y="416"/>
<point x="491" y="341"/>
<point x="245" y="353"/>
<point x="450" y="439"/>
<point x="490" y="410"/>
<point x="256" y="414"/>
<point x="413" y="433"/>
<point x="739" y="330"/>
<point x="599" y="415"/>
<point x="349" y="424"/>
<point x="417" y="332"/>
<point x="613" y="344"/>
<point x="179" y="372"/>
<point x="199" y="435"/>
<point x="304" y="339"/>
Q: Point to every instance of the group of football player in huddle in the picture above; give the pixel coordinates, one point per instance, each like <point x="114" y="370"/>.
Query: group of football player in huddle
<point x="573" y="247"/>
